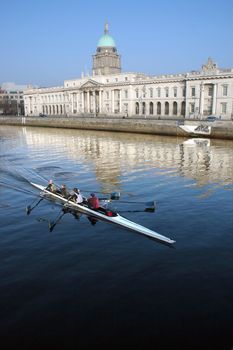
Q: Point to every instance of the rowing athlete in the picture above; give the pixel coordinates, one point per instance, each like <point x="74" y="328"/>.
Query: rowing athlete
<point x="93" y="201"/>
<point x="76" y="196"/>
<point x="51" y="187"/>
<point x="64" y="191"/>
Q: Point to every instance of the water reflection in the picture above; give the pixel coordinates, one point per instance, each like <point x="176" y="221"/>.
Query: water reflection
<point x="114" y="155"/>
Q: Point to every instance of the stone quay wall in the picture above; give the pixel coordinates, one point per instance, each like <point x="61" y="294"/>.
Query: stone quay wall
<point x="219" y="129"/>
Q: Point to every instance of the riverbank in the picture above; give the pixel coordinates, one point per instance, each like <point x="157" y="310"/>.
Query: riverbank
<point x="169" y="127"/>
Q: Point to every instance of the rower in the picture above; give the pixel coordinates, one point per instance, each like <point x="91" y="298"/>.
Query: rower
<point x="93" y="201"/>
<point x="76" y="196"/>
<point x="51" y="187"/>
<point x="64" y="191"/>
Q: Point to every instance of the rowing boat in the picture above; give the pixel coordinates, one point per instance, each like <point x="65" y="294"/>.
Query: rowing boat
<point x="116" y="219"/>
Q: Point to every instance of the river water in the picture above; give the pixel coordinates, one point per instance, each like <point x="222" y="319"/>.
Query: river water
<point x="84" y="286"/>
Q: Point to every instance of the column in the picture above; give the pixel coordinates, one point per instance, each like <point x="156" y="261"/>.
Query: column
<point x="88" y="101"/>
<point x="72" y="103"/>
<point x="113" y="101"/>
<point x="82" y="97"/>
<point x="120" y="102"/>
<point x="214" y="99"/>
<point x="202" y="90"/>
<point x="100" y="101"/>
<point x="130" y="99"/>
<point x="94" y="102"/>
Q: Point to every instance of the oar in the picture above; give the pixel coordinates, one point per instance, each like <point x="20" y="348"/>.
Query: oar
<point x="29" y="208"/>
<point x="113" y="195"/>
<point x="150" y="208"/>
<point x="149" y="204"/>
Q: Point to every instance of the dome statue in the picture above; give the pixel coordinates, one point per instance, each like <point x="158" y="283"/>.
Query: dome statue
<point x="106" y="40"/>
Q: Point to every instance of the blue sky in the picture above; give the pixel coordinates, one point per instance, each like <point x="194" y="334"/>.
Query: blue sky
<point x="45" y="42"/>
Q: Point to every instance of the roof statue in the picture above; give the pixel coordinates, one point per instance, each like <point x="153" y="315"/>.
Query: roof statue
<point x="209" y="67"/>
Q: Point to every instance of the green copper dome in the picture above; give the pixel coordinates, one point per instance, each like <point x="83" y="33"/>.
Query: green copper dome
<point x="106" y="40"/>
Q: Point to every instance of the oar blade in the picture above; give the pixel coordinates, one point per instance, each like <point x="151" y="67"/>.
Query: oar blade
<point x="115" y="195"/>
<point x="28" y="209"/>
<point x="51" y="226"/>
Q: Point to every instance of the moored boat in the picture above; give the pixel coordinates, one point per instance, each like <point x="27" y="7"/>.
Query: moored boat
<point x="196" y="130"/>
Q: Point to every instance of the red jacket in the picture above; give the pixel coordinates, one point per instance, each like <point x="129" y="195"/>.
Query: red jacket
<point x="94" y="202"/>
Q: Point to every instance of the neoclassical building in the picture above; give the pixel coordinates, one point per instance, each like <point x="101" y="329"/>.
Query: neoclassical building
<point x="109" y="91"/>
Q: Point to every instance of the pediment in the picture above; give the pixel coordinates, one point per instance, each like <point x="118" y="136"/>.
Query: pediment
<point x="90" y="84"/>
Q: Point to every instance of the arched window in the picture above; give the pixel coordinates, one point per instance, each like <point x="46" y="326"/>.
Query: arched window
<point x="151" y="108"/>
<point x="143" y="107"/>
<point x="166" y="108"/>
<point x="136" y="108"/>
<point x="183" y="108"/>
<point x="159" y="108"/>
<point x="174" y="108"/>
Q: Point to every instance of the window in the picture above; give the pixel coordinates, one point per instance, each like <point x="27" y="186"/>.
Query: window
<point x="192" y="106"/>
<point x="184" y="92"/>
<point x="166" y="92"/>
<point x="151" y="93"/>
<point x="193" y="92"/>
<point x="107" y="95"/>
<point x="126" y="78"/>
<point x="224" y="90"/>
<point x="210" y="91"/>
<point x="136" y="92"/>
<point x="116" y="79"/>
<point x="224" y="107"/>
<point x="126" y="93"/>
<point x="159" y="92"/>
<point x="175" y="92"/>
<point x="166" y="108"/>
<point x="151" y="108"/>
<point x="174" y="108"/>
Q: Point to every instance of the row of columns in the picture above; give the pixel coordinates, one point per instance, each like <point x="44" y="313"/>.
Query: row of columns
<point x="92" y="101"/>
<point x="202" y="97"/>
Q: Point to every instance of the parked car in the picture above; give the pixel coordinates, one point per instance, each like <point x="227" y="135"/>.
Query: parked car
<point x="212" y="118"/>
<point x="42" y="115"/>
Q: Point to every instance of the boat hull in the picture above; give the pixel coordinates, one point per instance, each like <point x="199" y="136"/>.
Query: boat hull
<point x="118" y="219"/>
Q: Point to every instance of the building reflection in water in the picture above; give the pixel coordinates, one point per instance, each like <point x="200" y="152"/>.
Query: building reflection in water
<point x="113" y="155"/>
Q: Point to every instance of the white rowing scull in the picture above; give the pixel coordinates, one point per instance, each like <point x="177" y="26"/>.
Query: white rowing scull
<point x="116" y="219"/>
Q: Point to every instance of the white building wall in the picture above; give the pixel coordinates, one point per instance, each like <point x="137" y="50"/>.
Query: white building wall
<point x="70" y="98"/>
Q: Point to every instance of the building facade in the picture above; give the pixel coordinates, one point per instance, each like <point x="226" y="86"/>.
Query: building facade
<point x="111" y="92"/>
<point x="11" y="102"/>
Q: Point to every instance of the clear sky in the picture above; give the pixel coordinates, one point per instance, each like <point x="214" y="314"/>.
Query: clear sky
<point x="45" y="42"/>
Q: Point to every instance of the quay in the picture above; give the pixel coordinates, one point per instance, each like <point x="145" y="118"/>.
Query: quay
<point x="221" y="129"/>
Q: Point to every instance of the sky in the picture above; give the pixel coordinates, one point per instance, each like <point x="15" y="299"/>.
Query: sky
<point x="46" y="42"/>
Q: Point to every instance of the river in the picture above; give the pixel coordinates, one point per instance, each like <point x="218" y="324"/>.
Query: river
<point x="85" y="286"/>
